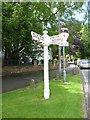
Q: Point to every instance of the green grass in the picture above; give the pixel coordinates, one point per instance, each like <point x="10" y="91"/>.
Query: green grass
<point x="0" y="106"/>
<point x="65" y="101"/>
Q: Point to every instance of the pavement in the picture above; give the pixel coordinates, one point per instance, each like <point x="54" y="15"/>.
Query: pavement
<point x="16" y="81"/>
<point x="20" y="80"/>
<point x="86" y="93"/>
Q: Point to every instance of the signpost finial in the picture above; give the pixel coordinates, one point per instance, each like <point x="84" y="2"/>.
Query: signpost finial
<point x="45" y="32"/>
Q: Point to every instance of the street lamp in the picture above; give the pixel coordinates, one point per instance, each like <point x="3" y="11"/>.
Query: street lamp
<point x="64" y="35"/>
<point x="56" y="11"/>
<point x="60" y="30"/>
<point x="59" y="48"/>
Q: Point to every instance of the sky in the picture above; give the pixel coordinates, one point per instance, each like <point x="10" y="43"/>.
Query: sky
<point x="80" y="16"/>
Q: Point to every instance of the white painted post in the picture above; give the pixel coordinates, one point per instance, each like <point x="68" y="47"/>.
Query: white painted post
<point x="46" y="70"/>
<point x="46" y="73"/>
<point x="46" y="41"/>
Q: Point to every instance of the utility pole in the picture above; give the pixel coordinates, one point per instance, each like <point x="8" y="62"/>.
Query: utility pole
<point x="59" y="47"/>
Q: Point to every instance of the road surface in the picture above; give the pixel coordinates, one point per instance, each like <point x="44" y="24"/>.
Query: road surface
<point x="86" y="74"/>
<point x="16" y="81"/>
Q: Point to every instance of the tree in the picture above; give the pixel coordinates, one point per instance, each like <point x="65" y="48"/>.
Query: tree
<point x="85" y="33"/>
<point x="16" y="29"/>
<point x="19" y="19"/>
<point x="86" y="42"/>
<point x="76" y="46"/>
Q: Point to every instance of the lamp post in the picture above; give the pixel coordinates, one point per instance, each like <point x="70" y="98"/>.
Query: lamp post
<point x="56" y="11"/>
<point x="64" y="35"/>
<point x="59" y="49"/>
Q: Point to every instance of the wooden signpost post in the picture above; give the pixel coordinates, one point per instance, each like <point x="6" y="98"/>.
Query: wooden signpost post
<point x="46" y="40"/>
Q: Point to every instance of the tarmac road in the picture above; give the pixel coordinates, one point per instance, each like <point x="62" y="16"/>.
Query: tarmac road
<point x="86" y="73"/>
<point x="16" y="81"/>
<point x="86" y="87"/>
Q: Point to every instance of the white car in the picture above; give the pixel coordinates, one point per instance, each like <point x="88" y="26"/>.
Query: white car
<point x="78" y="62"/>
<point x="84" y="63"/>
<point x="70" y="62"/>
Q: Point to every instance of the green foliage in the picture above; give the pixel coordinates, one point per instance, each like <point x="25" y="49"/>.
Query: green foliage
<point x="19" y="19"/>
<point x="86" y="41"/>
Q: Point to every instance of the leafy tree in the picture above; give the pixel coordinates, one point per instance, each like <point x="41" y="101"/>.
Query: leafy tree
<point x="76" y="46"/>
<point x="86" y="42"/>
<point x="85" y="33"/>
<point x="18" y="22"/>
<point x="19" y="19"/>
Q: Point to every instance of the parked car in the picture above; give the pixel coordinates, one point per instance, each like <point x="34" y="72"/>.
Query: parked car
<point x="25" y="60"/>
<point x="84" y="63"/>
<point x="78" y="62"/>
<point x="70" y="62"/>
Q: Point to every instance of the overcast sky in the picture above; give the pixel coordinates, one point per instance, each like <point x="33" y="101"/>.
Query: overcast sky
<point x="80" y="16"/>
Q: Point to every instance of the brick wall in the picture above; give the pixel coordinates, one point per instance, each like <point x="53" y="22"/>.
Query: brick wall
<point x="18" y="69"/>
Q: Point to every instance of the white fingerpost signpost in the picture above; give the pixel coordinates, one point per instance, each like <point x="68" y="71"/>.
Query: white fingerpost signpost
<point x="46" y="40"/>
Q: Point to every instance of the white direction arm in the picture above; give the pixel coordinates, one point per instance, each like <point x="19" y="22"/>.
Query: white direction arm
<point x="37" y="37"/>
<point x="60" y="39"/>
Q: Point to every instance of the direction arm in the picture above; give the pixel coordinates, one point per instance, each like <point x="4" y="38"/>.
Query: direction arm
<point x="37" y="37"/>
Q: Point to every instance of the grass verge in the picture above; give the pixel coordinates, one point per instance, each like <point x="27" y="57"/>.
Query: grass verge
<point x="65" y="101"/>
<point x="0" y="106"/>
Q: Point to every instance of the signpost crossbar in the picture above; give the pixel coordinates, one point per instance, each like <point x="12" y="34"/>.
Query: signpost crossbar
<point x="55" y="40"/>
<point x="37" y="37"/>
